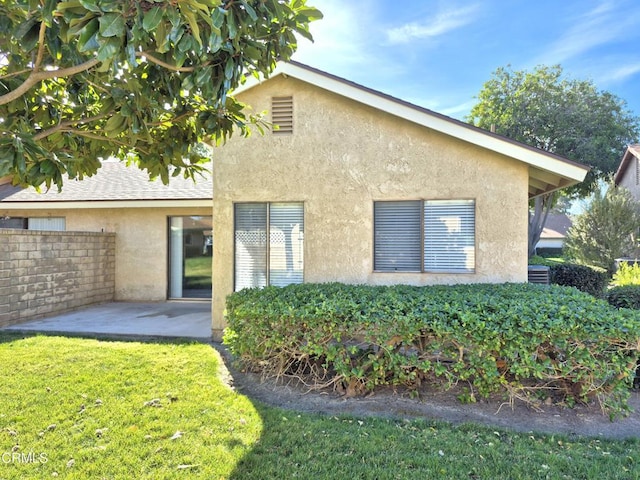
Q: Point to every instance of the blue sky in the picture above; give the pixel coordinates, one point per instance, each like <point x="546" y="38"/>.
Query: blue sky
<point x="438" y="53"/>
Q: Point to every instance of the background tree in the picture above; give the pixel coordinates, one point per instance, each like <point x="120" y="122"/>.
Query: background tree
<point x="146" y="81"/>
<point x="570" y="118"/>
<point x="606" y="230"/>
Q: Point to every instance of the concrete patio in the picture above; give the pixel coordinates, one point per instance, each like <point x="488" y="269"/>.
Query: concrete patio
<point x="179" y="319"/>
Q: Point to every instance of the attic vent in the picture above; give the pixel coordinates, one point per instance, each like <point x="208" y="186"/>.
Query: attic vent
<point x="539" y="274"/>
<point x="282" y="115"/>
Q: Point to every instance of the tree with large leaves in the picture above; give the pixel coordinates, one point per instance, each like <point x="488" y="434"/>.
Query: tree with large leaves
<point x="570" y="118"/>
<point x="144" y="81"/>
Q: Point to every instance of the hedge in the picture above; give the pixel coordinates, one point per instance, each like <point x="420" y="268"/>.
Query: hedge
<point x="527" y="341"/>
<point x="627" y="296"/>
<point x="591" y="280"/>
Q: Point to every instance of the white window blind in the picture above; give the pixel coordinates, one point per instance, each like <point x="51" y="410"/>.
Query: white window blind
<point x="51" y="224"/>
<point x="277" y="262"/>
<point x="397" y="227"/>
<point x="435" y="236"/>
<point x="286" y="239"/>
<point x="251" y="245"/>
<point x="449" y="233"/>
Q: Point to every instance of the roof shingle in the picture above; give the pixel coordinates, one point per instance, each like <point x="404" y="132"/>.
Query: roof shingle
<point x="115" y="182"/>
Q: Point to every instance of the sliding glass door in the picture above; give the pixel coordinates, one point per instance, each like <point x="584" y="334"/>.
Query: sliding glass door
<point x="190" y="249"/>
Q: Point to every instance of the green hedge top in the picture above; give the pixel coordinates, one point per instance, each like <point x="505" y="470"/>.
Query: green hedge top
<point x="536" y="308"/>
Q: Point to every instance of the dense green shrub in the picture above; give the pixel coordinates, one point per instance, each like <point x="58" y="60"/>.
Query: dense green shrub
<point x="591" y="280"/>
<point x="626" y="296"/>
<point x="526" y="340"/>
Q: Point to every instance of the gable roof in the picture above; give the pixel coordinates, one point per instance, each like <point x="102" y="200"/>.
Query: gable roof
<point x="556" y="226"/>
<point x="631" y="152"/>
<point x="547" y="172"/>
<point x="114" y="182"/>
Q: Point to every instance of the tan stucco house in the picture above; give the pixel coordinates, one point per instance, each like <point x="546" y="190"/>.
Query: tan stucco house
<point x="357" y="186"/>
<point x="628" y="173"/>
<point x="352" y="186"/>
<point x="163" y="232"/>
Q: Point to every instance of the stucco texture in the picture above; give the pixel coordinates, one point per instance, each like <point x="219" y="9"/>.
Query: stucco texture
<point x="141" y="270"/>
<point x="343" y="156"/>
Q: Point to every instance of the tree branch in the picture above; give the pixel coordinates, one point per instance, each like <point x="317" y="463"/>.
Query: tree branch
<point x="168" y="66"/>
<point x="65" y="125"/>
<point x="95" y="136"/>
<point x="36" y="77"/>
<point x="40" y="54"/>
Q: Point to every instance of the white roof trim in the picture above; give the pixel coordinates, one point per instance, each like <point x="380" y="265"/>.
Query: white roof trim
<point x="97" y="204"/>
<point x="571" y="171"/>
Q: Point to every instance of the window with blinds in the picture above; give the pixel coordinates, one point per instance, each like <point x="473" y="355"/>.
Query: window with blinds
<point x="278" y="261"/>
<point x="282" y="115"/>
<point x="52" y="224"/>
<point x="449" y="233"/>
<point x="436" y="236"/>
<point x="398" y="236"/>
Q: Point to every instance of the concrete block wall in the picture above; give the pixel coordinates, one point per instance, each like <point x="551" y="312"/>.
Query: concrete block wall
<point x="45" y="273"/>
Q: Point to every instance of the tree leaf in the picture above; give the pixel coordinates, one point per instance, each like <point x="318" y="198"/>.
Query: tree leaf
<point x="252" y="13"/>
<point x="112" y="25"/>
<point x="193" y="23"/>
<point x="217" y="17"/>
<point x="90" y="5"/>
<point x="152" y="19"/>
<point x="109" y="49"/>
<point x="87" y="39"/>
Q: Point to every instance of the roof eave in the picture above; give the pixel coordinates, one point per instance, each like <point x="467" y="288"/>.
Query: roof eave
<point x="632" y="151"/>
<point x="97" y="204"/>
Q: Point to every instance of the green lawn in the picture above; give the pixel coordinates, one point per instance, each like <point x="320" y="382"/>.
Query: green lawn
<point x="197" y="272"/>
<point x="78" y="408"/>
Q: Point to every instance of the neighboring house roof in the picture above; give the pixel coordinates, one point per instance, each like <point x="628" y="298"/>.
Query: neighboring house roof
<point x="114" y="182"/>
<point x="632" y="151"/>
<point x="556" y="226"/>
<point x="547" y="172"/>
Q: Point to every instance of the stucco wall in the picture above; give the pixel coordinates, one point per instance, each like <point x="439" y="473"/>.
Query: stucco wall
<point x="44" y="273"/>
<point x="629" y="179"/>
<point x="341" y="158"/>
<point x="141" y="244"/>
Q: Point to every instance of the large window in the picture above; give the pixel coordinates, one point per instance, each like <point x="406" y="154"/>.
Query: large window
<point x="435" y="236"/>
<point x="268" y="244"/>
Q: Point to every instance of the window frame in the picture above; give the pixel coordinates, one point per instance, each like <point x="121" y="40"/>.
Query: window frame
<point x="424" y="237"/>
<point x="268" y="233"/>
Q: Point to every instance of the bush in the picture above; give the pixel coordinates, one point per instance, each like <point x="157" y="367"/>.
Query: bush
<point x="627" y="274"/>
<point x="627" y="296"/>
<point x="525" y="340"/>
<point x="591" y="280"/>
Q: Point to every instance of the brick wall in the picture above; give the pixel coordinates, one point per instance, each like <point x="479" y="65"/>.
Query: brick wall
<point x="44" y="273"/>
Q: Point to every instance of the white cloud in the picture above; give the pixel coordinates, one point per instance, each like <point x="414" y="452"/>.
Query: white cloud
<point x="600" y="26"/>
<point x="622" y="73"/>
<point x="341" y="38"/>
<point x="444" y="22"/>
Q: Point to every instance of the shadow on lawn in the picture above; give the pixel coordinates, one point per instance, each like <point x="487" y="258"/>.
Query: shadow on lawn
<point x="8" y="336"/>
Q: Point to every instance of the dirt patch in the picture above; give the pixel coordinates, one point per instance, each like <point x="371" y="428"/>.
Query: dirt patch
<point x="581" y="420"/>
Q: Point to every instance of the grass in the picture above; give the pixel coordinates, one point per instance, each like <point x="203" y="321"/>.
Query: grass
<point x="197" y="272"/>
<point x="101" y="409"/>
